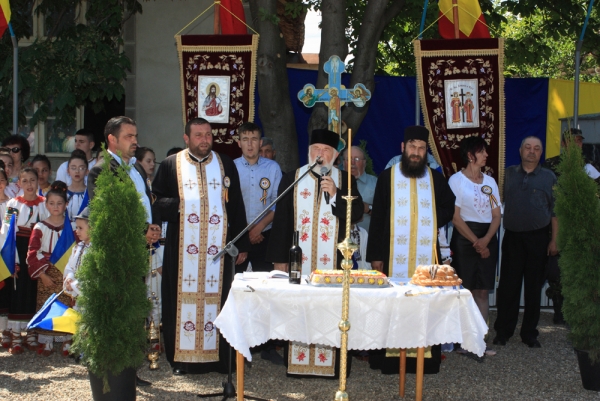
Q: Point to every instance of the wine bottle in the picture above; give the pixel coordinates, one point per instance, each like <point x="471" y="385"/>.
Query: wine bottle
<point x="295" y="261"/>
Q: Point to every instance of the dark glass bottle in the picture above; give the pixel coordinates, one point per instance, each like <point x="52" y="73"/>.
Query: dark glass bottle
<point x="295" y="261"/>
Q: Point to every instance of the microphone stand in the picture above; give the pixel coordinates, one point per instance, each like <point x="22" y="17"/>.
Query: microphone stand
<point x="232" y="251"/>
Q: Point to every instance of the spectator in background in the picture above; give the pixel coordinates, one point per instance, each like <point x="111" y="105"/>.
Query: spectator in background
<point x="530" y="230"/>
<point x="476" y="220"/>
<point x="19" y="149"/>
<point x="42" y="165"/>
<point x="267" y="149"/>
<point x="173" y="151"/>
<point x="12" y="188"/>
<point x="84" y="140"/>
<point x="366" y="183"/>
<point x="259" y="180"/>
<point x="146" y="159"/>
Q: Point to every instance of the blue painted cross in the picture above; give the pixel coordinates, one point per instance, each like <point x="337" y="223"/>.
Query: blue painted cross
<point x="334" y="95"/>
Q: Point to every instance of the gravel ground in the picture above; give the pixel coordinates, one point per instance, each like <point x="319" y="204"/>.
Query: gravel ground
<point x="515" y="373"/>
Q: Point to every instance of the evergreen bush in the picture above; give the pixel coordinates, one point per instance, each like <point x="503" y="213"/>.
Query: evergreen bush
<point x="113" y="300"/>
<point x="578" y="211"/>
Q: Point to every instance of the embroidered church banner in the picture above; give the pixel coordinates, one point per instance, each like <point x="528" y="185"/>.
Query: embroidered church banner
<point x="218" y="81"/>
<point x="461" y="88"/>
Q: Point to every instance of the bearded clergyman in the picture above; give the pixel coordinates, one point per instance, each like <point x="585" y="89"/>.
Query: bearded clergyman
<point x="317" y="209"/>
<point x="411" y="202"/>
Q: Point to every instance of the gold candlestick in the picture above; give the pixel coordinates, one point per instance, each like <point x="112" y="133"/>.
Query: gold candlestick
<point x="347" y="248"/>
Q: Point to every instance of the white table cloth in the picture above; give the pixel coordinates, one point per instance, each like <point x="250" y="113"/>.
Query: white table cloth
<point x="379" y="318"/>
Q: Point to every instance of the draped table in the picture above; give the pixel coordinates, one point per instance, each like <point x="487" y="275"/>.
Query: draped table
<point x="400" y="316"/>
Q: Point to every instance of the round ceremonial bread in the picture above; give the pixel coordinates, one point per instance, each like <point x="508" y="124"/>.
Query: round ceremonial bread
<point x="428" y="275"/>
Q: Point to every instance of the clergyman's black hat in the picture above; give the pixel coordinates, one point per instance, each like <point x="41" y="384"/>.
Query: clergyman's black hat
<point x="327" y="137"/>
<point x="416" y="132"/>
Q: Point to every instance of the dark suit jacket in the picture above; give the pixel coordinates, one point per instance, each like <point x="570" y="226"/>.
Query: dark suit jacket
<point x="97" y="169"/>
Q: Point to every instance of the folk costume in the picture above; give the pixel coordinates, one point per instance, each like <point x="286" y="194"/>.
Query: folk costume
<point x="71" y="269"/>
<point x="202" y="202"/>
<point x="322" y="226"/>
<point x="407" y="213"/>
<point x="41" y="244"/>
<point x="77" y="201"/>
<point x="22" y="300"/>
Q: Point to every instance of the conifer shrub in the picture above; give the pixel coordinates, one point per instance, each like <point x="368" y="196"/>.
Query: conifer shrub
<point x="113" y="301"/>
<point x="578" y="210"/>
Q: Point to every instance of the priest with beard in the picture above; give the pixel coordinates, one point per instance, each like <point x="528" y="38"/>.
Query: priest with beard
<point x="411" y="202"/>
<point x="198" y="193"/>
<point x="317" y="209"/>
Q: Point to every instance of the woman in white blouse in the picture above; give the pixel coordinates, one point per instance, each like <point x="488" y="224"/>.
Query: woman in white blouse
<point x="476" y="220"/>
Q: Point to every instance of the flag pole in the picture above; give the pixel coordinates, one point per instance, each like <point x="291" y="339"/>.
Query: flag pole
<point x="455" y="17"/>
<point x="15" y="79"/>
<point x="578" y="66"/>
<point x="417" y="104"/>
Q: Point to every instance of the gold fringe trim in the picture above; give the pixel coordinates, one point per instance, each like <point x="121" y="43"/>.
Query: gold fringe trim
<point x="502" y="123"/>
<point x="460" y="53"/>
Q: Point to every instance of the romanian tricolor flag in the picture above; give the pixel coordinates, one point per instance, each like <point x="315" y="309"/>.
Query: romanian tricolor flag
<point x="55" y="316"/>
<point x="84" y="203"/>
<point x="8" y="254"/>
<point x="471" y="22"/>
<point x="4" y="16"/>
<point x="64" y="246"/>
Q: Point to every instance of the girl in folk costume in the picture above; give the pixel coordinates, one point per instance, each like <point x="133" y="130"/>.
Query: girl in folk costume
<point x="43" y="240"/>
<point x="4" y="291"/>
<point x="70" y="283"/>
<point x="29" y="209"/>
<point x="42" y="165"/>
<point x="77" y="169"/>
<point x="12" y="189"/>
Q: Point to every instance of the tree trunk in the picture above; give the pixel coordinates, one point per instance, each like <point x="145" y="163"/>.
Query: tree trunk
<point x="378" y="15"/>
<point x="275" y="109"/>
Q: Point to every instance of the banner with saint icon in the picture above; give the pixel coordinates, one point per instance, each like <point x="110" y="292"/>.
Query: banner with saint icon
<point x="461" y="89"/>
<point x="218" y="81"/>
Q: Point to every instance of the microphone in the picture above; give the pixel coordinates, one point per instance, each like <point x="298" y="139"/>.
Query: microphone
<point x="324" y="172"/>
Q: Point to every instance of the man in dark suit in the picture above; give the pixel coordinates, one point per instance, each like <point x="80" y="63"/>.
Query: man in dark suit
<point x="121" y="138"/>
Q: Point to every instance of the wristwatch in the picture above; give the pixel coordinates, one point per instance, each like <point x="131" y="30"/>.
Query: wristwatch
<point x="370" y="208"/>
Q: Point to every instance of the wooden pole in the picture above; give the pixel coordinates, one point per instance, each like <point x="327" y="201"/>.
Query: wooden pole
<point x="420" y="369"/>
<point x="402" y="371"/>
<point x="217" y="23"/>
<point x="240" y="376"/>
<point x="455" y="17"/>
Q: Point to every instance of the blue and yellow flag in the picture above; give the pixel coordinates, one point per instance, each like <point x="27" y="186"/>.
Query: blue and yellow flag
<point x="84" y="203"/>
<point x="55" y="316"/>
<point x="64" y="246"/>
<point x="8" y="254"/>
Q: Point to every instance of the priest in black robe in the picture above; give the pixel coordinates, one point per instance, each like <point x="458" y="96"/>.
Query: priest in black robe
<point x="413" y="164"/>
<point x="198" y="137"/>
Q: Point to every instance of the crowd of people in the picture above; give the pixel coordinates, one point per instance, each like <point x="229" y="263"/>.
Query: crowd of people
<point x="198" y="200"/>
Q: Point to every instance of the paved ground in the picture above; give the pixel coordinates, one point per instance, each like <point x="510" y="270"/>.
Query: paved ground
<point x="516" y="373"/>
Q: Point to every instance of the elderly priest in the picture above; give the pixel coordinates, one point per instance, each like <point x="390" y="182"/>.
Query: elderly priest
<point x="316" y="208"/>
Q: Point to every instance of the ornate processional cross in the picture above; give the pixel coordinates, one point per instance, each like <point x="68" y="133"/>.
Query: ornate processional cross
<point x="334" y="95"/>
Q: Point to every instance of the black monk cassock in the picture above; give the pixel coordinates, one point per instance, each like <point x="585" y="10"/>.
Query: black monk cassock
<point x="166" y="189"/>
<point x="378" y="244"/>
<point x="281" y="238"/>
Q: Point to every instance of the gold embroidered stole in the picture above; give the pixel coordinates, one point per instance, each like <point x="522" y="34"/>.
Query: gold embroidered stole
<point x="202" y="235"/>
<point x="318" y="239"/>
<point x="413" y="223"/>
<point x="317" y="225"/>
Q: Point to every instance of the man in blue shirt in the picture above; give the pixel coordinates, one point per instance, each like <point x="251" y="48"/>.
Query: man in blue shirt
<point x="259" y="180"/>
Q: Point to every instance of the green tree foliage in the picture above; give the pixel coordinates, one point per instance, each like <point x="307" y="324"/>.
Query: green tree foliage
<point x="71" y="66"/>
<point x="578" y="211"/>
<point x="113" y="299"/>
<point x="540" y="45"/>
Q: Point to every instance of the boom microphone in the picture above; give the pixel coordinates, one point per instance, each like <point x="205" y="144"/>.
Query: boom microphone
<point x="323" y="173"/>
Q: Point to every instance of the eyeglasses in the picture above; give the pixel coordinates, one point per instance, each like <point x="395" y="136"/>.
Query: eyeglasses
<point x="82" y="168"/>
<point x="356" y="159"/>
<point x="16" y="149"/>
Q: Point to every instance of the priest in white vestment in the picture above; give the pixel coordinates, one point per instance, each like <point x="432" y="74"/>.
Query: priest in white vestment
<point x="198" y="192"/>
<point x="316" y="208"/>
<point x="411" y="202"/>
